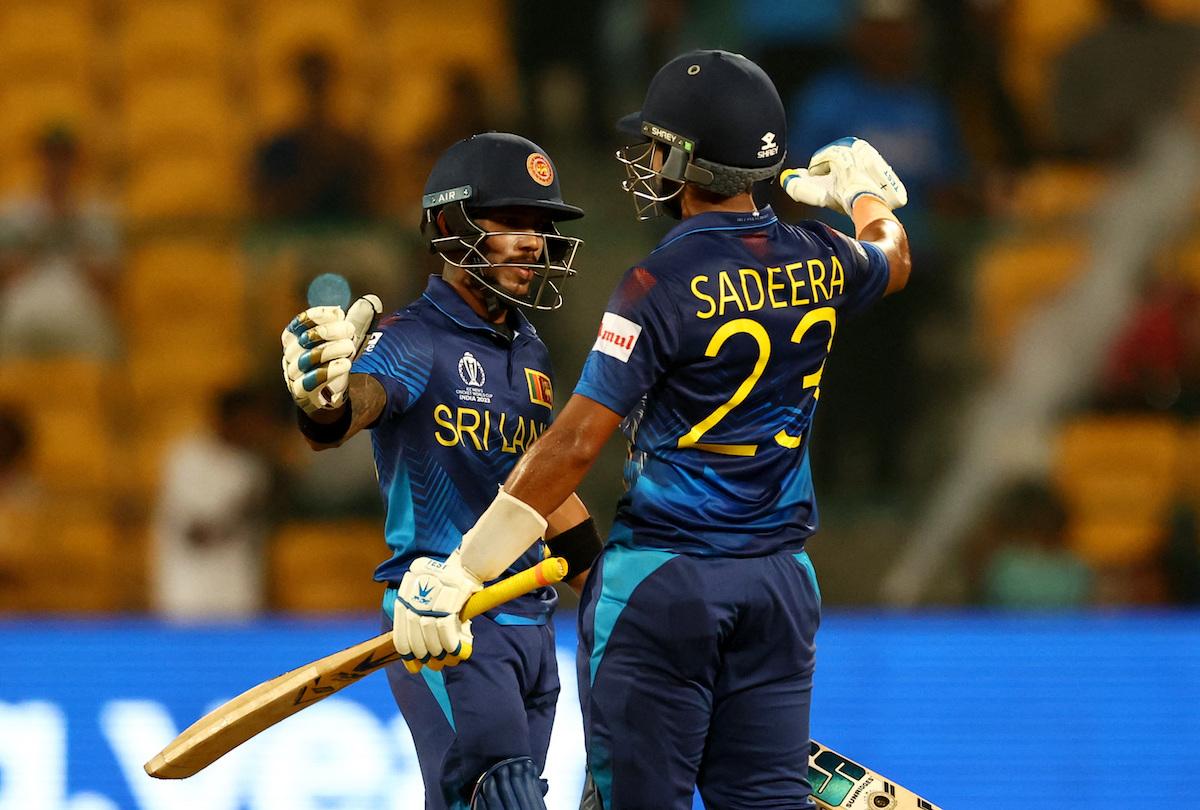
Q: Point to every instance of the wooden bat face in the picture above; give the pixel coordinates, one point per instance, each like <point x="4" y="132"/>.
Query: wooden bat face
<point x="840" y="783"/>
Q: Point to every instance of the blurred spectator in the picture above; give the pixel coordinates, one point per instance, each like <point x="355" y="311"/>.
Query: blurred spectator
<point x="564" y="36"/>
<point x="793" y="41"/>
<point x="968" y="62"/>
<point x="1154" y="363"/>
<point x="882" y="95"/>
<point x="1027" y="564"/>
<point x="1181" y="558"/>
<point x="212" y="514"/>
<point x="315" y="170"/>
<point x="1123" y="74"/>
<point x="58" y="262"/>
<point x="23" y="506"/>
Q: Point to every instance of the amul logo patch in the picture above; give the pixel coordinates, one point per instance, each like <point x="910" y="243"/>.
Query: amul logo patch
<point x="541" y="392"/>
<point x="617" y="336"/>
<point x="540" y="169"/>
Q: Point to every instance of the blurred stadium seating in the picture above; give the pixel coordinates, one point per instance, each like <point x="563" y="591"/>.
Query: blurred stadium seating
<point x="168" y="98"/>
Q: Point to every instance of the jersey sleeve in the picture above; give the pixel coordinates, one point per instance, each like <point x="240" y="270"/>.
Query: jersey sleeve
<point x="867" y="271"/>
<point x="400" y="357"/>
<point x="635" y="344"/>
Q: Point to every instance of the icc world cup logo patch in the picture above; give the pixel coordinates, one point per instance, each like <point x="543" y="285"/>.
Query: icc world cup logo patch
<point x="471" y="371"/>
<point x="540" y="169"/>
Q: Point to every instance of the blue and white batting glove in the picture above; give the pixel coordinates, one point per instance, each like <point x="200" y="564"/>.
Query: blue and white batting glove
<point x="427" y="628"/>
<point x="319" y="346"/>
<point x="842" y="171"/>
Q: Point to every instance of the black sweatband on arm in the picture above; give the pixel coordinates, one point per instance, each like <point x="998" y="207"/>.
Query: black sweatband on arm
<point x="578" y="545"/>
<point x="325" y="432"/>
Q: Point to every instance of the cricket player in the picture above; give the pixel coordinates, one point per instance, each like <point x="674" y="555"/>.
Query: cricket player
<point x="697" y="625"/>
<point x="454" y="388"/>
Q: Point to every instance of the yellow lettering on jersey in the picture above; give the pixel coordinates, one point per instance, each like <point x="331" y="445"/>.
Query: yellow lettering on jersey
<point x="750" y="279"/>
<point x="468" y="428"/>
<point x="773" y="285"/>
<point x="816" y="280"/>
<point x="473" y="428"/>
<point x="712" y="304"/>
<point x="444" y="417"/>
<point x="837" y="281"/>
<point x="797" y="301"/>
<point x="728" y="293"/>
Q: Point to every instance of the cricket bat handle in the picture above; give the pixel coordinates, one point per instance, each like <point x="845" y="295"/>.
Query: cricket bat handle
<point x="544" y="573"/>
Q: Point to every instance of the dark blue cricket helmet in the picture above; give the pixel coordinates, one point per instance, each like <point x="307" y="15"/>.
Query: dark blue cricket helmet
<point x="718" y="122"/>
<point x="490" y="171"/>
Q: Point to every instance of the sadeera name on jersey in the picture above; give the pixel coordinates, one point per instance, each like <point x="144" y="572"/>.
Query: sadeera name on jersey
<point x="484" y="429"/>
<point x="747" y="289"/>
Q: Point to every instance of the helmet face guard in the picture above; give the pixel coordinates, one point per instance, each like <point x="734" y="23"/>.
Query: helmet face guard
<point x="655" y="190"/>
<point x="465" y="246"/>
<point x="651" y="187"/>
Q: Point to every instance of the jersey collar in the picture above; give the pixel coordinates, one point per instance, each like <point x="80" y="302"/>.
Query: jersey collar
<point x="719" y="221"/>
<point x="447" y="301"/>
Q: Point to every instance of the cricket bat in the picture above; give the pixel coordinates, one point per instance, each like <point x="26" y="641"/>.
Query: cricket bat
<point x="257" y="709"/>
<point x="839" y="783"/>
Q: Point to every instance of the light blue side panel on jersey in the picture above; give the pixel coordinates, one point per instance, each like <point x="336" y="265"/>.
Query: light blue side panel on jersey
<point x="436" y="682"/>
<point x="398" y="528"/>
<point x="807" y="565"/>
<point x="624" y="570"/>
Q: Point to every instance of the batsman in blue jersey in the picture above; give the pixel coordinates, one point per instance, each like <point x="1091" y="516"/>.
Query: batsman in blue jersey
<point x="454" y="388"/>
<point x="697" y="624"/>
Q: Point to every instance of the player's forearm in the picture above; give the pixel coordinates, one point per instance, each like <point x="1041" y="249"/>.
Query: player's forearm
<point x="365" y="399"/>
<point x="874" y="222"/>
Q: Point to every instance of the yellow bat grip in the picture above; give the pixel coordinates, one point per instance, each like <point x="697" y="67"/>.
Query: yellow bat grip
<point x="546" y="572"/>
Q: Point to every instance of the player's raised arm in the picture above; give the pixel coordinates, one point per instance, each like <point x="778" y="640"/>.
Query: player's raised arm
<point x="319" y="346"/>
<point x="851" y="177"/>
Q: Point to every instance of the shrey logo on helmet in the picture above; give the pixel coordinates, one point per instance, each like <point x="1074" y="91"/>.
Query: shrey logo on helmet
<point x="540" y="169"/>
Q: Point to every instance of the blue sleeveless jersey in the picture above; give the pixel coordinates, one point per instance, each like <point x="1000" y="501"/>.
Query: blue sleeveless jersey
<point x="463" y="403"/>
<point x="712" y="349"/>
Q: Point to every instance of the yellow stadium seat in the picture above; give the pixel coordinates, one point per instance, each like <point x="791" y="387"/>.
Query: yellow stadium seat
<point x="1119" y="476"/>
<point x="321" y="567"/>
<point x="31" y="107"/>
<point x="281" y="31"/>
<point x="1038" y="32"/>
<point x="1184" y="262"/>
<point x="173" y="38"/>
<point x="1187" y="10"/>
<point x="70" y="414"/>
<point x="183" y="186"/>
<point x="1115" y="543"/>
<point x="1013" y="277"/>
<point x="1053" y="191"/>
<point x="183" y="277"/>
<point x="182" y="116"/>
<point x="48" y="40"/>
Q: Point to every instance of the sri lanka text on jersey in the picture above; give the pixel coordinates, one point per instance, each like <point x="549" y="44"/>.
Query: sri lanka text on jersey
<point x="484" y="429"/>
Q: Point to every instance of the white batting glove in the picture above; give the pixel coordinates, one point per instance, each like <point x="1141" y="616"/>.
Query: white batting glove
<point x="426" y="627"/>
<point x="839" y="173"/>
<point x="319" y="346"/>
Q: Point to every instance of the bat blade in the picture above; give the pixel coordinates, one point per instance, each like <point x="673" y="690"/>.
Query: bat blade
<point x="257" y="709"/>
<point x="840" y="783"/>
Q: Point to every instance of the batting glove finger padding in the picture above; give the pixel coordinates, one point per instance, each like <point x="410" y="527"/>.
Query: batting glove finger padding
<point x="840" y="172"/>
<point x="319" y="346"/>
<point x="427" y="626"/>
